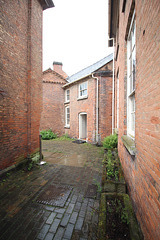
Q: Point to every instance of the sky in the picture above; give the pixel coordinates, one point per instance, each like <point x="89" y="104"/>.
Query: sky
<point x="75" y="32"/>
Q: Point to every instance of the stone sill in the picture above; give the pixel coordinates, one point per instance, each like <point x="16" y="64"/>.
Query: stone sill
<point x="82" y="98"/>
<point x="129" y="143"/>
<point x="67" y="127"/>
<point x="67" y="102"/>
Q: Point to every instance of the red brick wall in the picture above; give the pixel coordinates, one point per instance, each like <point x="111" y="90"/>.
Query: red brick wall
<point x="53" y="102"/>
<point x="89" y="106"/>
<point x="19" y="133"/>
<point x="105" y="102"/>
<point x="142" y="172"/>
<point x="83" y="105"/>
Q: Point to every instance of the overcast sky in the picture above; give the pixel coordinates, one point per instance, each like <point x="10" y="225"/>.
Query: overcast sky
<point x="75" y="33"/>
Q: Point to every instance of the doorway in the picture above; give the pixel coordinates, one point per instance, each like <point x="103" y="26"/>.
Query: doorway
<point x="83" y="126"/>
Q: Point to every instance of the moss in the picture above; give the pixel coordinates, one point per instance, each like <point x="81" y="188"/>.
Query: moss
<point x="135" y="232"/>
<point x="102" y="218"/>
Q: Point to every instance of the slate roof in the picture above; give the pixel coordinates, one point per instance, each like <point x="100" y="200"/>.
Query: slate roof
<point x="91" y="69"/>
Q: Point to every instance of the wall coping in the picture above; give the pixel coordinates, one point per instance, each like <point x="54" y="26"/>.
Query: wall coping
<point x="129" y="143"/>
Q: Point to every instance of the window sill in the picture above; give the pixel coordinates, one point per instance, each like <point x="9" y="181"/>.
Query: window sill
<point x="81" y="98"/>
<point x="129" y="143"/>
<point x="66" y="102"/>
<point x="116" y="131"/>
<point x="67" y="127"/>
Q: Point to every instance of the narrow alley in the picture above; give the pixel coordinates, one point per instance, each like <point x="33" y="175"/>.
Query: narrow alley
<point x="58" y="200"/>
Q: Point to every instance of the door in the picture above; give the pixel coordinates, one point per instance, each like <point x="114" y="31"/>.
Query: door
<point x="83" y="126"/>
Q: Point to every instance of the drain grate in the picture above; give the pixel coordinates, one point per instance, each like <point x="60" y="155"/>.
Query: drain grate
<point x="55" y="195"/>
<point x="91" y="191"/>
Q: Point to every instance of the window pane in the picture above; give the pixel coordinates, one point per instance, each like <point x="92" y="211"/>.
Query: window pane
<point x="85" y="92"/>
<point x="68" y="94"/>
<point x="67" y="116"/>
<point x="83" y="89"/>
<point x="133" y="35"/>
<point x="131" y="78"/>
<point x="133" y="68"/>
<point x="132" y="112"/>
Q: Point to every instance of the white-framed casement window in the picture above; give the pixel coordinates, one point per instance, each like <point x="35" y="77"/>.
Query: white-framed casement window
<point x="131" y="72"/>
<point x="67" y="117"/>
<point x="67" y="95"/>
<point x="83" y="90"/>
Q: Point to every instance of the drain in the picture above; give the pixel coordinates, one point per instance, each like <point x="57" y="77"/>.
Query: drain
<point x="54" y="195"/>
<point x="91" y="191"/>
<point x="79" y="141"/>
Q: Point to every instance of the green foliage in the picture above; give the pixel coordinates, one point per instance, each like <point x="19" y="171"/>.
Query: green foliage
<point x="64" y="137"/>
<point x="120" y="210"/>
<point x="99" y="187"/>
<point x="48" y="134"/>
<point x="110" y="165"/>
<point x="110" y="142"/>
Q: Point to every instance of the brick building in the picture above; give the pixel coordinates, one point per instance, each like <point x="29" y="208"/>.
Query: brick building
<point x="53" y="99"/>
<point x="87" y="116"/>
<point x="135" y="27"/>
<point x="20" y="79"/>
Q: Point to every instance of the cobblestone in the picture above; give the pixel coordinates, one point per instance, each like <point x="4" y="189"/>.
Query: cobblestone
<point x="79" y="223"/>
<point x="69" y="231"/>
<point x="28" y="220"/>
<point x="43" y="232"/>
<point x="73" y="217"/>
<point x="51" y="217"/>
<point x="65" y="220"/>
<point x="59" y="234"/>
<point x="54" y="226"/>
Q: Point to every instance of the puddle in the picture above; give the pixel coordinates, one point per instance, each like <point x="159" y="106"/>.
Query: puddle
<point x="65" y="159"/>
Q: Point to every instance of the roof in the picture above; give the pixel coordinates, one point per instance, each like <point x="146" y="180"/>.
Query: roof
<point x="91" y="69"/>
<point x="49" y="70"/>
<point x="46" y="4"/>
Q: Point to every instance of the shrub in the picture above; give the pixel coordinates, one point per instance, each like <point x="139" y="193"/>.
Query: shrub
<point x="110" y="142"/>
<point x="48" y="134"/>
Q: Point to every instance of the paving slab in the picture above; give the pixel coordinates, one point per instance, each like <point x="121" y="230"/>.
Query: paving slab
<point x="74" y="168"/>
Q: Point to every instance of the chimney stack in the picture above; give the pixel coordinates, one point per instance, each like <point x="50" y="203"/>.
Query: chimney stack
<point x="57" y="67"/>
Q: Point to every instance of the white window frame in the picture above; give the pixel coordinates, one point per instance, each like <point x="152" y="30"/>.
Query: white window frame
<point x="67" y="116"/>
<point x="67" y="95"/>
<point x="83" y="87"/>
<point x="131" y="70"/>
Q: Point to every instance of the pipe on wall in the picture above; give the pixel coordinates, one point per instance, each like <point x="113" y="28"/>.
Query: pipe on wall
<point x="113" y="89"/>
<point x="97" y="106"/>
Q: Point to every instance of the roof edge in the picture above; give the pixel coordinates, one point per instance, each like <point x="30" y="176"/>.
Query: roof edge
<point x="70" y="83"/>
<point x="46" y="4"/>
<point x="49" y="70"/>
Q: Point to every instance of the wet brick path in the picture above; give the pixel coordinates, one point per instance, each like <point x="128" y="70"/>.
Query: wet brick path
<point x="23" y="218"/>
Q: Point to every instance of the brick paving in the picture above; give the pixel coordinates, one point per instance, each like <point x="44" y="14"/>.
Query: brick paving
<point x="22" y="217"/>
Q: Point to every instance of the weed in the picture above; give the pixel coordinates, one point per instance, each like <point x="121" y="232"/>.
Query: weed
<point x="110" y="142"/>
<point x="48" y="134"/>
<point x="63" y="137"/>
<point x="121" y="211"/>
<point x="99" y="188"/>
